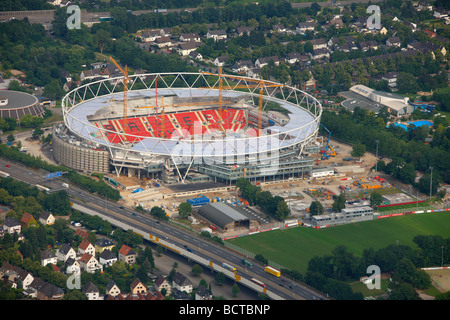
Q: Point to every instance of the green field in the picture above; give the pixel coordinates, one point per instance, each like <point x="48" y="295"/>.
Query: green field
<point x="293" y="248"/>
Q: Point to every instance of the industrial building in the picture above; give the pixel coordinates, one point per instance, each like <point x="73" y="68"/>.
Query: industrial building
<point x="226" y="217"/>
<point x="372" y="100"/>
<point x="16" y="104"/>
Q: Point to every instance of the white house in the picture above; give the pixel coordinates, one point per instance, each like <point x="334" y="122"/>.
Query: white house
<point x="48" y="257"/>
<point x="86" y="247"/>
<point x="65" y="252"/>
<point x="91" y="291"/>
<point x="89" y="263"/>
<point x="46" y="218"/>
<point x="11" y="225"/>
<point x="216" y="35"/>
<point x="107" y="258"/>
<point x="185" y="48"/>
<point x="182" y="283"/>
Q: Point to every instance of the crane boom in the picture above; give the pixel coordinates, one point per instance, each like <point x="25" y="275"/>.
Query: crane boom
<point x="125" y="92"/>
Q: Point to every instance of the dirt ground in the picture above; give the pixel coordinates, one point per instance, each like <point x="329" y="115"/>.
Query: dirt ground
<point x="440" y="279"/>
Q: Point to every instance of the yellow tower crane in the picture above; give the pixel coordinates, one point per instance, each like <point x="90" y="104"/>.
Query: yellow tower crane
<point x="125" y="92"/>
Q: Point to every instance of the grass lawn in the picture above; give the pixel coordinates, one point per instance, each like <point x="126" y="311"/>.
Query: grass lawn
<point x="293" y="248"/>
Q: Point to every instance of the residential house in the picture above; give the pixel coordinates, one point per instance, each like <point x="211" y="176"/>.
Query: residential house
<point x="241" y="30"/>
<point x="42" y="290"/>
<point x="127" y="254"/>
<point x="47" y="257"/>
<point x="391" y="78"/>
<point x="203" y="293"/>
<point x="195" y="55"/>
<point x="137" y="287"/>
<point x="190" y="37"/>
<point x="368" y="45"/>
<point x="91" y="291"/>
<point x="89" y="263"/>
<point x="216" y="35"/>
<point x="383" y="31"/>
<point x="86" y="247"/>
<point x="319" y="44"/>
<point x="424" y="5"/>
<point x="166" y="32"/>
<point x="112" y="289"/>
<point x="242" y="66"/>
<point x="65" y="252"/>
<point x="90" y="74"/>
<point x="28" y="220"/>
<point x="18" y="275"/>
<point x="305" y="26"/>
<point x="279" y="28"/>
<point x="440" y="13"/>
<point x="220" y="61"/>
<point x="99" y="65"/>
<point x="11" y="226"/>
<point x="320" y="54"/>
<point x="185" y="48"/>
<point x="46" y="218"/>
<point x="163" y="42"/>
<point x="150" y="35"/>
<point x="82" y="234"/>
<point x="293" y="57"/>
<point x="180" y="282"/>
<point x="261" y="62"/>
<point x="394" y="42"/>
<point x="162" y="283"/>
<point x="72" y="265"/>
<point x="338" y="23"/>
<point x="103" y="244"/>
<point x="66" y="75"/>
<point x="107" y="258"/>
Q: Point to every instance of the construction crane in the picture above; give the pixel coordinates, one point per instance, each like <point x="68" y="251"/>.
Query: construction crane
<point x="261" y="84"/>
<point x="125" y="92"/>
<point x="325" y="156"/>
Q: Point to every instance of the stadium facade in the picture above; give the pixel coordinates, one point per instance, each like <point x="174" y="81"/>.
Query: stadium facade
<point x="182" y="126"/>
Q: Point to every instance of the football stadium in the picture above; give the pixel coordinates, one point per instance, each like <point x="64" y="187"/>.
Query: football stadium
<point x="183" y="127"/>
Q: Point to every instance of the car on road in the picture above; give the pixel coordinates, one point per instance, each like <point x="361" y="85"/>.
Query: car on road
<point x="8" y="165"/>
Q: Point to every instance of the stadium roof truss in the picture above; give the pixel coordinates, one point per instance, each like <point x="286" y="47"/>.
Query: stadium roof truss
<point x="304" y="113"/>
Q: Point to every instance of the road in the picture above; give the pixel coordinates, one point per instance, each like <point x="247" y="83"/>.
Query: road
<point x="206" y="249"/>
<point x="46" y="16"/>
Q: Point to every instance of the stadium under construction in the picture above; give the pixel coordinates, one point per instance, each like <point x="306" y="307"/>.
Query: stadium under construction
<point x="181" y="127"/>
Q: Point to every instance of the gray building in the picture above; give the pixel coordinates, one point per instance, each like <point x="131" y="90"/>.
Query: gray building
<point x="347" y="215"/>
<point x="226" y="217"/>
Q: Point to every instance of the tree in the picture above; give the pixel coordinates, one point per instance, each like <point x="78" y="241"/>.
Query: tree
<point x="315" y="208"/>
<point x="235" y="289"/>
<point x="406" y="83"/>
<point x="184" y="209"/>
<point x="220" y="279"/>
<point x="376" y="199"/>
<point x="196" y="270"/>
<point x="358" y="150"/>
<point x="339" y="203"/>
<point x="282" y="210"/>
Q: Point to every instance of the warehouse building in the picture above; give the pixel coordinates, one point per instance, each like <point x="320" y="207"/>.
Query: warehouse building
<point x="226" y="217"/>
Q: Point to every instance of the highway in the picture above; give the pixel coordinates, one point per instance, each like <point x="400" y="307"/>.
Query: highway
<point x="206" y="249"/>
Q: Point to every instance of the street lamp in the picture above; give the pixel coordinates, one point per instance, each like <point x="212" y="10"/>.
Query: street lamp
<point x="376" y="158"/>
<point x="431" y="180"/>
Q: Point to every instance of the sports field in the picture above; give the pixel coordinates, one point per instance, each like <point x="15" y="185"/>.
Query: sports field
<point x="293" y="248"/>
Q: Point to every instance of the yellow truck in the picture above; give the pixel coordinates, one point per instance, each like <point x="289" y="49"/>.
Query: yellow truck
<point x="273" y="271"/>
